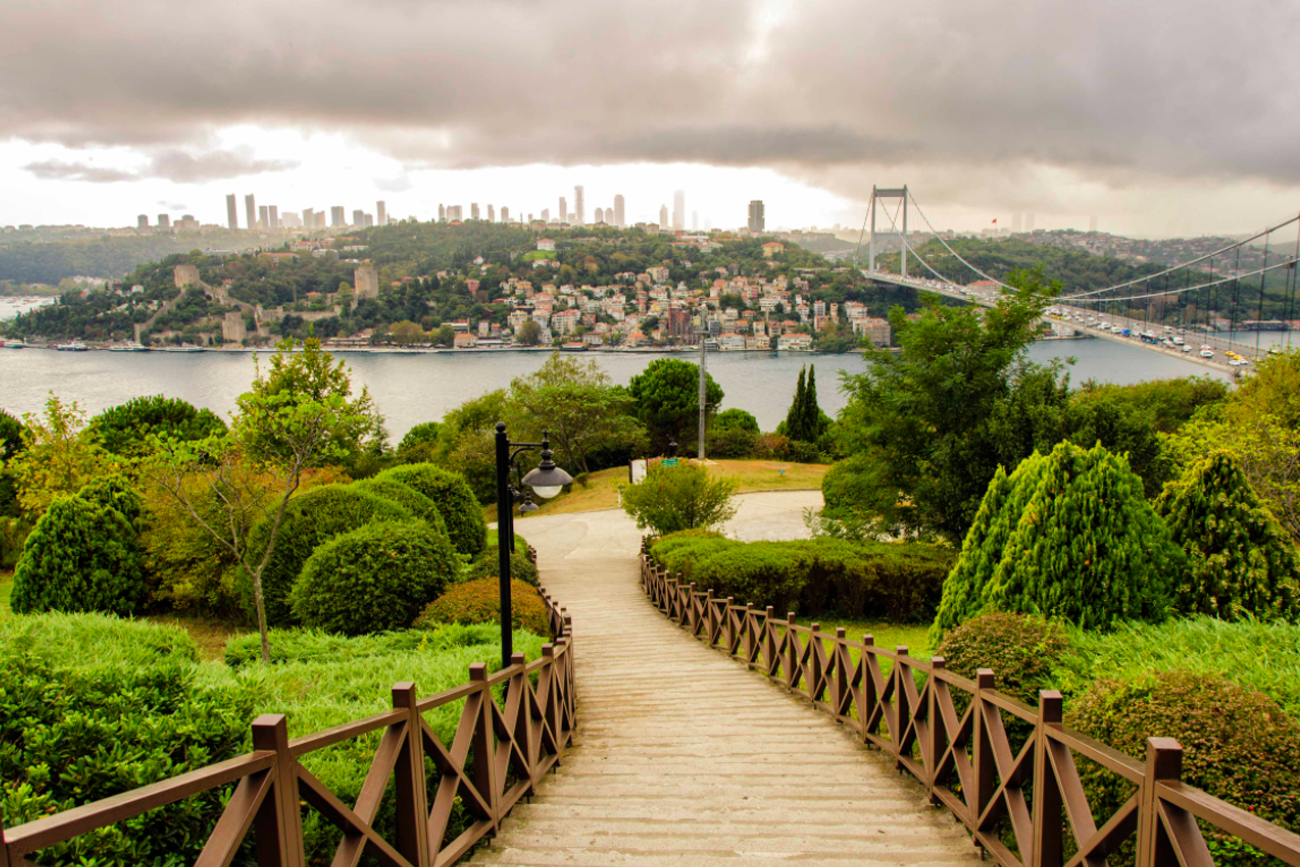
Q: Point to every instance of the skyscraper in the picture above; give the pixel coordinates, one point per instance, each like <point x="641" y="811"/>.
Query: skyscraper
<point x="358" y="217"/>
<point x="505" y="214"/>
<point x="473" y="210"/>
<point x="695" y="221"/>
<point x="679" y="210"/>
<point x="564" y="210"/>
<point x="546" y="215"/>
<point x="381" y="214"/>
<point x="142" y="221"/>
<point x="164" y="221"/>
<point x="619" y="218"/>
<point x="663" y="217"/>
<point x="250" y="211"/>
<point x="599" y="216"/>
<point x="273" y="214"/>
<point x="756" y="216"/>
<point x="336" y="216"/>
<point x="308" y="219"/>
<point x="579" y="209"/>
<point x="232" y="212"/>
<point x="492" y="214"/>
<point x="262" y="221"/>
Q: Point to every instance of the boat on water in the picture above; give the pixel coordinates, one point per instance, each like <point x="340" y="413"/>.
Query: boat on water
<point x="14" y="344"/>
<point x="73" y="346"/>
<point x="574" y="346"/>
<point x="129" y="347"/>
<point x="186" y="348"/>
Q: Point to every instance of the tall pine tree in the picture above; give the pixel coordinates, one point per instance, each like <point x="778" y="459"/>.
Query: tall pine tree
<point x="794" y="418"/>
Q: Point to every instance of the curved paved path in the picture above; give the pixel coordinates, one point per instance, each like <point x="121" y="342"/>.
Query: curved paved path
<point x="682" y="757"/>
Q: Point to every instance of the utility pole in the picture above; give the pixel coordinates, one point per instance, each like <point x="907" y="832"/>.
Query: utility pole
<point x="704" y="380"/>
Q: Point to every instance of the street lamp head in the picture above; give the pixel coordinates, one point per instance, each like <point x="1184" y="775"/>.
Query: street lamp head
<point x="672" y="448"/>
<point x="547" y="480"/>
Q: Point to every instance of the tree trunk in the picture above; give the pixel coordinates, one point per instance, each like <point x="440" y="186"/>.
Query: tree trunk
<point x="261" y="618"/>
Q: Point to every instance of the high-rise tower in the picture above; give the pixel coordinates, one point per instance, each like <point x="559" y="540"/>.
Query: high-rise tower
<point x="757" y="218"/>
<point x="619" y="219"/>
<point x="250" y="211"/>
<point x="663" y="218"/>
<point x="232" y="212"/>
<point x="381" y="214"/>
<point x="579" y="210"/>
<point x="679" y="210"/>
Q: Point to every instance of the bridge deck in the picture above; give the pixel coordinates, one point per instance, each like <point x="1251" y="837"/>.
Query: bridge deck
<point x="682" y="756"/>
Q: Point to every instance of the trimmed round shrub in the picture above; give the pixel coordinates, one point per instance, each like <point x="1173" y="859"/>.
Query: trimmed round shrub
<point x="124" y="429"/>
<point x="454" y="499"/>
<point x="407" y="497"/>
<point x="1067" y="536"/>
<point x="1238" y="744"/>
<point x="80" y="556"/>
<point x="374" y="579"/>
<point x="479" y="601"/>
<point x="735" y="419"/>
<point x="309" y="521"/>
<point x="485" y="565"/>
<point x="1239" y="558"/>
<point x="114" y="492"/>
<point x="1021" y="650"/>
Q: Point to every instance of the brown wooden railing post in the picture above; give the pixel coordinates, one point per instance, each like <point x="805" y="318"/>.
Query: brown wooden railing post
<point x="485" y="776"/>
<point x="870" y="697"/>
<point x="278" y="825"/>
<point x="791" y="662"/>
<point x="938" y="736"/>
<point x="1046" y="846"/>
<point x="986" y="780"/>
<point x="409" y="783"/>
<point x="903" y="709"/>
<point x="1164" y="764"/>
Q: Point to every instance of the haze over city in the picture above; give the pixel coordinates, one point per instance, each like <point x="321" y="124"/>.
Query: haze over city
<point x="1156" y="119"/>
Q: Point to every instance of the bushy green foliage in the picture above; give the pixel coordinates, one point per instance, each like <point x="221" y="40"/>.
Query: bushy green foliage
<point x="125" y="429"/>
<point x="683" y="497"/>
<point x="1067" y="536"/>
<point x="479" y="601"/>
<point x="92" y="706"/>
<point x="1239" y="559"/>
<point x="893" y="581"/>
<point x="666" y="399"/>
<point x="485" y="565"/>
<point x="407" y="497"/>
<point x="454" y="499"/>
<point x="13" y="533"/>
<point x="735" y="419"/>
<point x="375" y="578"/>
<point x="1238" y="745"/>
<point x="853" y="489"/>
<point x="310" y="520"/>
<point x="115" y="492"/>
<point x="1021" y="650"/>
<point x="1262" y="656"/>
<point x="420" y="443"/>
<point x="731" y="442"/>
<point x="1170" y="402"/>
<point x="81" y="556"/>
<point x="11" y="435"/>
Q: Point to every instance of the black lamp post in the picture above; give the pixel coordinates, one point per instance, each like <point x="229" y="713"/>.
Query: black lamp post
<point x="546" y="480"/>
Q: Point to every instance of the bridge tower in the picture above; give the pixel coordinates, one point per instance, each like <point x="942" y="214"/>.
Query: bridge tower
<point x="881" y="193"/>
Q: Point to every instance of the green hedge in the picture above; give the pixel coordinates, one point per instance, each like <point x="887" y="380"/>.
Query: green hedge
<point x="1022" y="652"/>
<point x="900" y="582"/>
<point x="375" y="578"/>
<point x="310" y="520"/>
<point x="485" y="565"/>
<point x="81" y="556"/>
<point x="480" y="602"/>
<point x="454" y="499"/>
<point x="407" y="497"/>
<point x="92" y="706"/>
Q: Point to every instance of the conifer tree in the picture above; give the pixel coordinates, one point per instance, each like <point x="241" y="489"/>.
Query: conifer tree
<point x="794" y="418"/>
<point x="812" y="417"/>
<point x="1239" y="558"/>
<point x="1068" y="536"/>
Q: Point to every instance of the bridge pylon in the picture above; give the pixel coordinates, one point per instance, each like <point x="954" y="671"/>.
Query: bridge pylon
<point x="882" y="193"/>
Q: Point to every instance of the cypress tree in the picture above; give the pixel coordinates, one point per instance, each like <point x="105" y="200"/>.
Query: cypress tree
<point x="812" y="412"/>
<point x="794" y="418"/>
<point x="1239" y="559"/>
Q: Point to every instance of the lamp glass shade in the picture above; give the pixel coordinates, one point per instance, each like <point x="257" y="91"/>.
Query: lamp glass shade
<point x="546" y="481"/>
<point x="529" y="506"/>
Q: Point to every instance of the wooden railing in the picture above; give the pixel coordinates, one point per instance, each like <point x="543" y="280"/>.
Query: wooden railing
<point x="1026" y="806"/>
<point x="497" y="756"/>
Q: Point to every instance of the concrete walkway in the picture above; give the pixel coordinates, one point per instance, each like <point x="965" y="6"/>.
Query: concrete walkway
<point x="684" y="758"/>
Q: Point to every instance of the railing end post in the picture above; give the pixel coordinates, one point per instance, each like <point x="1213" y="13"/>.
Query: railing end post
<point x="840" y="632"/>
<point x="984" y="678"/>
<point x="1051" y="706"/>
<point x="868" y="639"/>
<point x="477" y="671"/>
<point x="1164" y="759"/>
<point x="518" y="658"/>
<point x="548" y="649"/>
<point x="937" y="663"/>
<point x="404" y="694"/>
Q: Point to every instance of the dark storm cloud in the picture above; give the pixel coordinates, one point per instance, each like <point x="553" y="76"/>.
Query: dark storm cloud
<point x="1114" y="92"/>
<point x="170" y="164"/>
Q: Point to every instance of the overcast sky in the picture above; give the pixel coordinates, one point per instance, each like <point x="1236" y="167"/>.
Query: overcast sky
<point x="1157" y="117"/>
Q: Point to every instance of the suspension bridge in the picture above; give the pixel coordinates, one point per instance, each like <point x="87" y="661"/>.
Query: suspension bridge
<point x="1190" y="310"/>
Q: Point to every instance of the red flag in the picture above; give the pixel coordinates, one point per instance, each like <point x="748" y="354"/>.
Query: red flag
<point x="995" y="221"/>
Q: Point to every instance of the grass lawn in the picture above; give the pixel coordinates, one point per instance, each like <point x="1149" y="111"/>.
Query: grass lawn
<point x="210" y="635"/>
<point x="601" y="491"/>
<point x="6" y="586"/>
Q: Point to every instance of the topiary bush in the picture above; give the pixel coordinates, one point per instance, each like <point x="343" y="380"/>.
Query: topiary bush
<point x="115" y="492"/>
<point x="479" y="601"/>
<point x="682" y="497"/>
<point x="1239" y="558"/>
<point x="1068" y="535"/>
<point x="125" y="429"/>
<point x="485" y="565"/>
<point x="1021" y="650"/>
<point x="376" y="578"/>
<point x="407" y="497"/>
<point x="454" y="499"/>
<point x="309" y="521"/>
<point x="92" y="706"/>
<point x="1239" y="745"/>
<point x="80" y="556"/>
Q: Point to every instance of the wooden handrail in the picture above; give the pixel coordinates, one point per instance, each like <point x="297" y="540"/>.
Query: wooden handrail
<point x="533" y="724"/>
<point x="966" y="761"/>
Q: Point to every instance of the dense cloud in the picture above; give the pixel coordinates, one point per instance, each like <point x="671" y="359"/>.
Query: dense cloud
<point x="832" y="91"/>
<point x="173" y="164"/>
